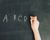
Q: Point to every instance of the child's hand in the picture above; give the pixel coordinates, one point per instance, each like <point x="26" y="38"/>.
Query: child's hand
<point x="34" y="23"/>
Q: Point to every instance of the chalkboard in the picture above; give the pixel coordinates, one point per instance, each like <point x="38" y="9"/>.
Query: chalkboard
<point x="14" y="15"/>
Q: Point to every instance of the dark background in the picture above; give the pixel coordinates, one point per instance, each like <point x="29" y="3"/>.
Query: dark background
<point x="21" y="31"/>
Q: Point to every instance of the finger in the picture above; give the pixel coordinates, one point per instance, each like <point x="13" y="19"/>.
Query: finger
<point x="31" y="21"/>
<point x="33" y="17"/>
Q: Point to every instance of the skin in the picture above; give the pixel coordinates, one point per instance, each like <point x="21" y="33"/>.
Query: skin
<point x="35" y="26"/>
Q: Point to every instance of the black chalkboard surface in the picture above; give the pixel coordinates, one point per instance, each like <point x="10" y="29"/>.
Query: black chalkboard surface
<point x="14" y="19"/>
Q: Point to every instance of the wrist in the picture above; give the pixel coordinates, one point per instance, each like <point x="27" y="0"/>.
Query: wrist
<point x="36" y="30"/>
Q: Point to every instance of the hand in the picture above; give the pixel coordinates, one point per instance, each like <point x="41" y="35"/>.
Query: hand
<point x="34" y="23"/>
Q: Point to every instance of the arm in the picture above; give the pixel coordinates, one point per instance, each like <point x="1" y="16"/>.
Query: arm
<point x="35" y="26"/>
<point x="37" y="35"/>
